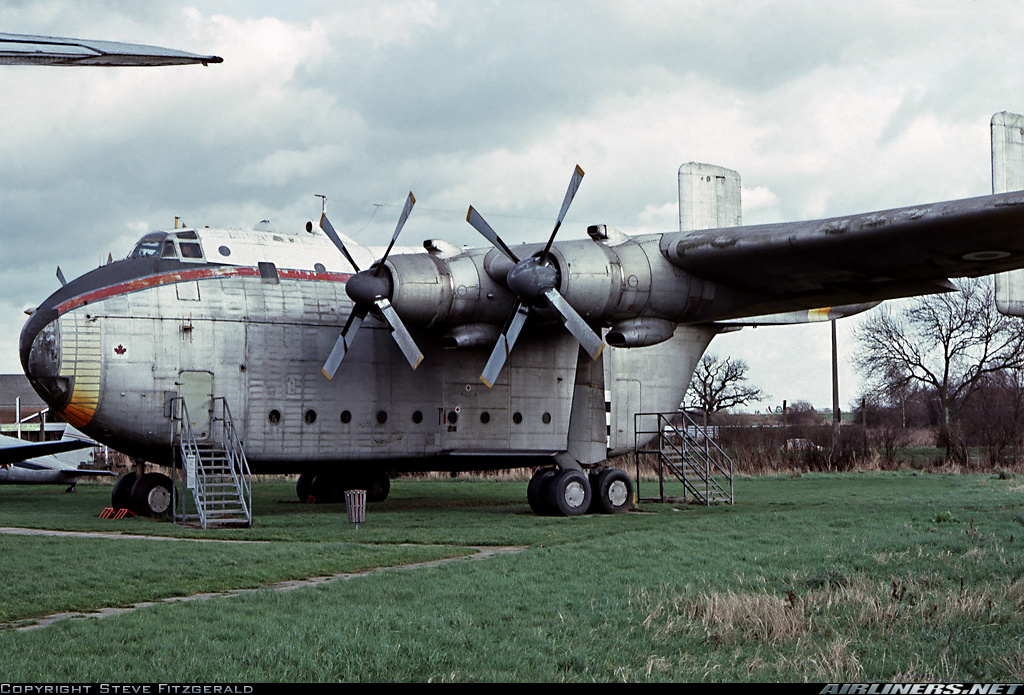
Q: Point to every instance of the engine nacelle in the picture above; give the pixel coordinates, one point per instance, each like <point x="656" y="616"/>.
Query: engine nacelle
<point x="431" y="290"/>
<point x="606" y="285"/>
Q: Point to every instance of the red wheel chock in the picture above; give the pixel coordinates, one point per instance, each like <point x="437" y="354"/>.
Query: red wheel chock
<point x="111" y="513"/>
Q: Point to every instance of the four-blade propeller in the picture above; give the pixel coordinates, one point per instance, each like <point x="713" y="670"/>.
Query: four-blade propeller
<point x="370" y="291"/>
<point x="533" y="280"/>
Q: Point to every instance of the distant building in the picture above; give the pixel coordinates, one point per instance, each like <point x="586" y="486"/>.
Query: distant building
<point x="19" y="400"/>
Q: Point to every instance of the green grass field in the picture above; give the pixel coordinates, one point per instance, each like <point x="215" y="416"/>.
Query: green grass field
<point x="820" y="577"/>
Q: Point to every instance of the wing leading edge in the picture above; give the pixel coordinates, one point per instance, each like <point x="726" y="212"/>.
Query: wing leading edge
<point x="13" y="450"/>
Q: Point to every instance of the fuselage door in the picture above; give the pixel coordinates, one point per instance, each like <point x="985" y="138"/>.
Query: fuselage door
<point x="196" y="388"/>
<point x="626" y="403"/>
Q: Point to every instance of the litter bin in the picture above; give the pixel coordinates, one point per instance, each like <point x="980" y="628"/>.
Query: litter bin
<point x="355" y="506"/>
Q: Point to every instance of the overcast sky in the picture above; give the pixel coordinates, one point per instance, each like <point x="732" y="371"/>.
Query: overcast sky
<point x="825" y="108"/>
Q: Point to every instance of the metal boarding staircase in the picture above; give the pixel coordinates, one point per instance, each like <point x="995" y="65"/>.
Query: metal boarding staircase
<point x="685" y="450"/>
<point x="214" y="469"/>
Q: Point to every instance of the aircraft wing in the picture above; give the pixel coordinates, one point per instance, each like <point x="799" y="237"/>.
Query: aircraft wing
<point x="859" y="258"/>
<point x="33" y="466"/>
<point x="19" y="49"/>
<point x="16" y="451"/>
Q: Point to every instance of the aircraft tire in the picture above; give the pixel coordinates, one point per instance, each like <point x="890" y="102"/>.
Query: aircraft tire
<point x="378" y="486"/>
<point x="568" y="493"/>
<point x="152" y="496"/>
<point x="536" y="492"/>
<point x="613" y="491"/>
<point x="121" y="495"/>
<point x="327" y="488"/>
<point x="304" y="486"/>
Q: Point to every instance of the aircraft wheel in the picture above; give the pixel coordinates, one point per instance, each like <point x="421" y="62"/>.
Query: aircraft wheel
<point x="568" y="492"/>
<point x="304" y="486"/>
<point x="327" y="487"/>
<point x="378" y="486"/>
<point x="536" y="493"/>
<point x="613" y="491"/>
<point x="151" y="495"/>
<point x="121" y="495"/>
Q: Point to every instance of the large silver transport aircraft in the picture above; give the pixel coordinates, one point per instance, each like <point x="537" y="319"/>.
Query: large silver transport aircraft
<point x="482" y="358"/>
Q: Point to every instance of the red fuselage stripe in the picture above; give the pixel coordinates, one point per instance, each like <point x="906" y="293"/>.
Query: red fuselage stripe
<point x="204" y="273"/>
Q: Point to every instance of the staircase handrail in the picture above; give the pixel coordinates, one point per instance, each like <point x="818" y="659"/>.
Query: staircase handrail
<point x="189" y="449"/>
<point x="239" y="465"/>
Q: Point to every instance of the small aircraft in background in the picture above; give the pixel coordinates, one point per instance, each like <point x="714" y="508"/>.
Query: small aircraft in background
<point x="41" y="463"/>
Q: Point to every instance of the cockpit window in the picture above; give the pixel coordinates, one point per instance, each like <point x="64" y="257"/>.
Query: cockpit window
<point x="187" y="235"/>
<point x="149" y="245"/>
<point x="168" y="251"/>
<point x="190" y="249"/>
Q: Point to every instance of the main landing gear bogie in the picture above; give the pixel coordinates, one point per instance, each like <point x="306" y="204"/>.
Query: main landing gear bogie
<point x="328" y="487"/>
<point x="571" y="492"/>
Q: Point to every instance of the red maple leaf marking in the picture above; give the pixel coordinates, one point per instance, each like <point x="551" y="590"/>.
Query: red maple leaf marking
<point x="120" y="349"/>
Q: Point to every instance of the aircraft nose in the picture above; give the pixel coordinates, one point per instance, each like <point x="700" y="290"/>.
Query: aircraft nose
<point x="40" y="358"/>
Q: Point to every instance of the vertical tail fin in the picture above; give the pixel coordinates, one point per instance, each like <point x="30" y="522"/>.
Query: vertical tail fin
<point x="1008" y="175"/>
<point x="709" y="197"/>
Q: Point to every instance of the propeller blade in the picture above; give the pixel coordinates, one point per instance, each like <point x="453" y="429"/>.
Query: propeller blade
<point x="400" y="333"/>
<point x="504" y="345"/>
<point x="325" y="224"/>
<point x="60" y="276"/>
<point x="348" y="333"/>
<point x="479" y="224"/>
<point x="409" y="202"/>
<point x="574" y="184"/>
<point x="575" y="324"/>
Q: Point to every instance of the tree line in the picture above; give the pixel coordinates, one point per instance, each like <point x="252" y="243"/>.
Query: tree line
<point x="947" y="363"/>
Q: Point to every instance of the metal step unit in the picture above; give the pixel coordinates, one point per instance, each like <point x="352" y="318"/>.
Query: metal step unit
<point x="686" y="451"/>
<point x="213" y="469"/>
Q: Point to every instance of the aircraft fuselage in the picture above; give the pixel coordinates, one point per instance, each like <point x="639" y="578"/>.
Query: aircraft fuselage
<point x="110" y="349"/>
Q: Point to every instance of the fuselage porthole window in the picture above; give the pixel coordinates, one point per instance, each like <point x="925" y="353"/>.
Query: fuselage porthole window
<point x="224" y="251"/>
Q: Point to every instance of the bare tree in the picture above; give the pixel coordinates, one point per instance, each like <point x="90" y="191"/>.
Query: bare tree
<point x="950" y="342"/>
<point x="719" y="384"/>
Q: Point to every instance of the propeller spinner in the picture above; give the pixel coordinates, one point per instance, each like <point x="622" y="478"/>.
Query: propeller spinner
<point x="370" y="290"/>
<point x="534" y="281"/>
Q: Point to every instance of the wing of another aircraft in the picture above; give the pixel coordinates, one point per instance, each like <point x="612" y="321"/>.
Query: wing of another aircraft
<point x="859" y="258"/>
<point x="44" y="462"/>
<point x="14" y="450"/>
<point x="19" y="49"/>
